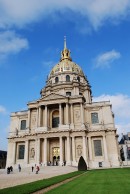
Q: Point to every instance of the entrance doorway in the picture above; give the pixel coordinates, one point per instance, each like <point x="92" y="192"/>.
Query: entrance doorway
<point x="56" y="155"/>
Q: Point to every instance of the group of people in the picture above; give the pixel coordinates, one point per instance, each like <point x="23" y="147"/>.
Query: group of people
<point x="64" y="163"/>
<point x="9" y="169"/>
<point x="37" y="168"/>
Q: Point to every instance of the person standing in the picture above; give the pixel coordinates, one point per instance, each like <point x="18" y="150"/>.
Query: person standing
<point x="37" y="169"/>
<point x="32" y="168"/>
<point x="19" y="167"/>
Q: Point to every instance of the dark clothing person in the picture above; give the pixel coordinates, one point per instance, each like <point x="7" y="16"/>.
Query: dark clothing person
<point x="19" y="167"/>
<point x="11" y="168"/>
<point x="32" y="168"/>
<point x="37" y="169"/>
<point x="8" y="170"/>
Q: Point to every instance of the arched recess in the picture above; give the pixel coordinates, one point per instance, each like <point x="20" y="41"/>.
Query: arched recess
<point x="55" y="119"/>
<point x="67" y="78"/>
<point x="78" y="78"/>
<point x="56" y="80"/>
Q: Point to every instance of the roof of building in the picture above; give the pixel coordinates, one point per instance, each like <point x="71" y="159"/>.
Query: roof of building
<point x="123" y="139"/>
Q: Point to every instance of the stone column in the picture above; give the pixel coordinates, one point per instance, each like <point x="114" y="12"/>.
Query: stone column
<point x="45" y="151"/>
<point x="68" y="151"/>
<point x="84" y="148"/>
<point x="29" y="117"/>
<point x="72" y="117"/>
<point x="61" y="151"/>
<point x="45" y="115"/>
<point x="39" y="117"/>
<point x="38" y="151"/>
<point x="67" y="114"/>
<point x="87" y="149"/>
<point x="14" y="153"/>
<point x="82" y="115"/>
<point x="26" y="151"/>
<point x="60" y="114"/>
<point x="90" y="148"/>
<point x="73" y="147"/>
<point x="105" y="148"/>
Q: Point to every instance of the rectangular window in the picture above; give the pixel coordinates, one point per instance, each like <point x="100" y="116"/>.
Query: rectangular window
<point x="23" y="124"/>
<point x="21" y="151"/>
<point x="94" y="118"/>
<point x="97" y="148"/>
<point x="68" y="93"/>
<point x="55" y="122"/>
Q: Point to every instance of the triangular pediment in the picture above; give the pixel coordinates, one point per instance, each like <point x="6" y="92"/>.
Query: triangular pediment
<point x="53" y="96"/>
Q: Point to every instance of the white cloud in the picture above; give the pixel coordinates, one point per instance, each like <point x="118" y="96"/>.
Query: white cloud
<point x="2" y="110"/>
<point x="11" y="43"/>
<point x="106" y="59"/>
<point x="121" y="108"/>
<point x="22" y="12"/>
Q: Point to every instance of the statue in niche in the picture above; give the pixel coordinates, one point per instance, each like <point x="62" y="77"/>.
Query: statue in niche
<point x="79" y="150"/>
<point x="32" y="153"/>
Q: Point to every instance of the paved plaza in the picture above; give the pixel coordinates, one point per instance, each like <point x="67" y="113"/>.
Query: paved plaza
<point x="26" y="175"/>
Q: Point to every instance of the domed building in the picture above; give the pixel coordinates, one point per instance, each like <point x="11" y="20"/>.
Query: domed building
<point x="64" y="124"/>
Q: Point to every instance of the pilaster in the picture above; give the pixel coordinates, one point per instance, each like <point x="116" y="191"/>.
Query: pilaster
<point x="45" y="151"/>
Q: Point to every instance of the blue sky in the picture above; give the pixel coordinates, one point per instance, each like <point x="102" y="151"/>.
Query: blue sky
<point x="31" y="38"/>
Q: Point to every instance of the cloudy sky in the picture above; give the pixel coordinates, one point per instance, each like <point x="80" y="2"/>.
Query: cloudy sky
<point x="31" y="38"/>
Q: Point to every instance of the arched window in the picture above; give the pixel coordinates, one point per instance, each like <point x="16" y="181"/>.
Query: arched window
<point x="78" y="78"/>
<point x="68" y="78"/>
<point x="55" y="119"/>
<point x="56" y="80"/>
<point x="23" y="125"/>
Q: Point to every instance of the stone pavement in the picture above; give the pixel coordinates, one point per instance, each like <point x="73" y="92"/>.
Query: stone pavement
<point x="26" y="175"/>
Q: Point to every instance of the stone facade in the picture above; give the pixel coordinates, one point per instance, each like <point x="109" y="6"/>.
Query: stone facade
<point x="64" y="123"/>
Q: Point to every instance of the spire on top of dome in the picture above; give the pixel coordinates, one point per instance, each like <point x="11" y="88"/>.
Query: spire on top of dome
<point x="65" y="47"/>
<point x="65" y="54"/>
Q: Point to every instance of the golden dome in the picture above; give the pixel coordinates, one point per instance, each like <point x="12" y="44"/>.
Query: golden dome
<point x="66" y="65"/>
